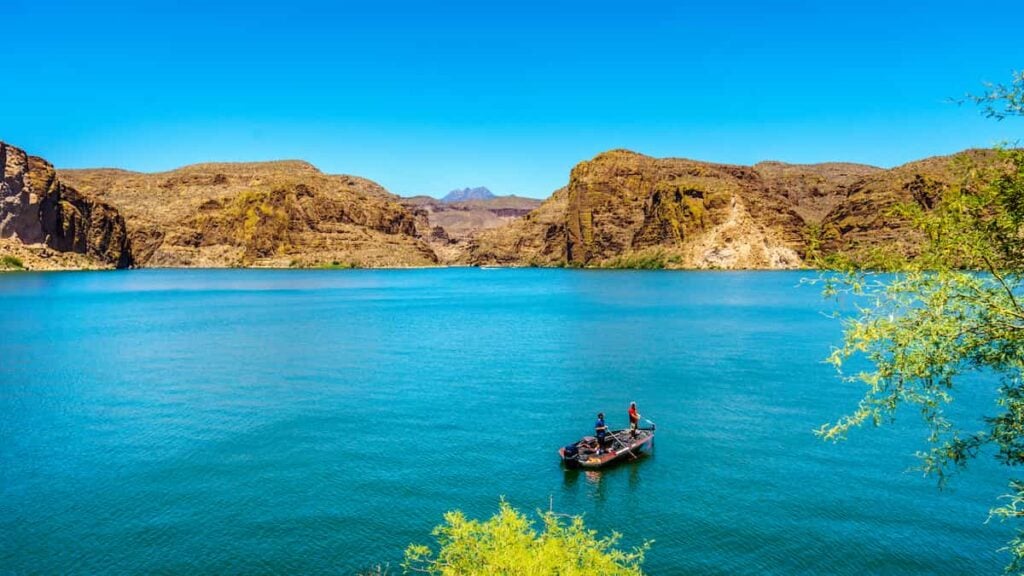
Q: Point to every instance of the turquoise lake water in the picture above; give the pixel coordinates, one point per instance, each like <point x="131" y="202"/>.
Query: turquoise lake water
<point x="317" y="422"/>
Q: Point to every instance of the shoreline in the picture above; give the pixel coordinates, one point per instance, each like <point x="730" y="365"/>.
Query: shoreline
<point x="399" y="268"/>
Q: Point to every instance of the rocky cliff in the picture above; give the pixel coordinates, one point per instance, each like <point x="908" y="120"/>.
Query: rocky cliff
<point x="620" y="209"/>
<point x="624" y="209"/>
<point x="280" y="214"/>
<point x="42" y="218"/>
<point x="622" y="205"/>
<point x="865" y="220"/>
<point x="536" y="239"/>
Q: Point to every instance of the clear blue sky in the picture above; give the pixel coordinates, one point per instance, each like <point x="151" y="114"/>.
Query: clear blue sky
<point x="424" y="97"/>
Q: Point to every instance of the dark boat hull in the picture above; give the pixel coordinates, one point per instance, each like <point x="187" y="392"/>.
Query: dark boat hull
<point x="620" y="447"/>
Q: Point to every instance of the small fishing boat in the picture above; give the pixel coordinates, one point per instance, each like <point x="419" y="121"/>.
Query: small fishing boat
<point x="619" y="446"/>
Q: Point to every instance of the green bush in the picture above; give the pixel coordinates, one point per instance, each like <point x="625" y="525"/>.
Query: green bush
<point x="338" y="265"/>
<point x="11" y="263"/>
<point x="508" y="544"/>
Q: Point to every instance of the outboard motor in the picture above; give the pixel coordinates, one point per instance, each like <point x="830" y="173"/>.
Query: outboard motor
<point x="571" y="451"/>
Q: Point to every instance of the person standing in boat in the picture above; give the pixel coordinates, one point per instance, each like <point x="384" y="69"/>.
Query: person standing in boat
<point x="600" y="430"/>
<point x="634" y="419"/>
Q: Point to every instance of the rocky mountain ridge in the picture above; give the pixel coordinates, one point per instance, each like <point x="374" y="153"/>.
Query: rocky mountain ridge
<point x="619" y="209"/>
<point x="274" y="214"/>
<point x="468" y="194"/>
<point x="624" y="209"/>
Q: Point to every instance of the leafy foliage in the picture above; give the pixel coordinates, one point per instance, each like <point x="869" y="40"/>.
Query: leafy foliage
<point x="508" y="544"/>
<point x="955" y="309"/>
<point x="1002" y="100"/>
<point x="8" y="262"/>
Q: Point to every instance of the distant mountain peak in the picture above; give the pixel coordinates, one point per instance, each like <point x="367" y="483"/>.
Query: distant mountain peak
<point x="467" y="194"/>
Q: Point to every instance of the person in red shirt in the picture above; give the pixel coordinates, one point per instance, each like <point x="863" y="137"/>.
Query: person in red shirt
<point x="634" y="419"/>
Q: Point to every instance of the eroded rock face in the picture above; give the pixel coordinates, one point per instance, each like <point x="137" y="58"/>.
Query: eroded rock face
<point x="866" y="220"/>
<point x="536" y="239"/>
<point x="274" y="214"/>
<point x="623" y="202"/>
<point x="19" y="203"/>
<point x="694" y="214"/>
<point x="37" y="208"/>
<point x="622" y="205"/>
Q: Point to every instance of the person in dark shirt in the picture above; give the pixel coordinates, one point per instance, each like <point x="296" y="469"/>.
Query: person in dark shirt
<point x="634" y="419"/>
<point x="600" y="430"/>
